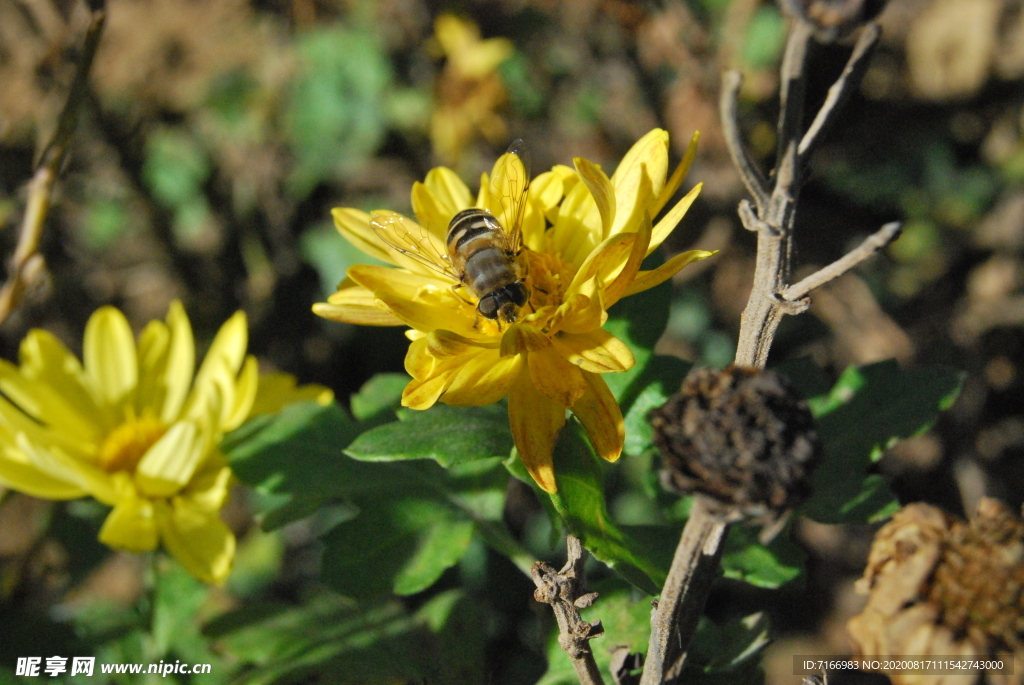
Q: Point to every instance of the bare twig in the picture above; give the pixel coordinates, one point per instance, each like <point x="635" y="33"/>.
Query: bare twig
<point x="751" y="175"/>
<point x="840" y="91"/>
<point x="674" y="622"/>
<point x="771" y="216"/>
<point x="27" y="263"/>
<point x="872" y="244"/>
<point x="566" y="592"/>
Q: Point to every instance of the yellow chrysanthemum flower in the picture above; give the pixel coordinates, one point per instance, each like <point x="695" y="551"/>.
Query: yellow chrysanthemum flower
<point x="552" y="358"/>
<point x="469" y="90"/>
<point x="130" y="428"/>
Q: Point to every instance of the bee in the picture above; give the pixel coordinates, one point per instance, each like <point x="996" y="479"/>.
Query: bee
<point x="481" y="251"/>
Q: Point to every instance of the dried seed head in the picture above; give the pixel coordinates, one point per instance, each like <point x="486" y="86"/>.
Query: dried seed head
<point x="742" y="437"/>
<point x="941" y="587"/>
<point x="834" y="19"/>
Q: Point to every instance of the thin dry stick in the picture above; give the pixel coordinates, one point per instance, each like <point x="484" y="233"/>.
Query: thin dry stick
<point x="27" y="263"/>
<point x="566" y="592"/>
<point x="771" y="216"/>
<point x="694" y="567"/>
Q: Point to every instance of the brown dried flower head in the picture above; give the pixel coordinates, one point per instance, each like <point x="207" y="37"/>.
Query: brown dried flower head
<point x="941" y="587"/>
<point x="742" y="437"/>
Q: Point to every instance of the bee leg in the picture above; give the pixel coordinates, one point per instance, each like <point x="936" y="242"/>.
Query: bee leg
<point x="455" y="290"/>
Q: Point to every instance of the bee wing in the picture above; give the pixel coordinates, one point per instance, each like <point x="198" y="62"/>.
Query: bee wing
<point x="508" y="192"/>
<point x="412" y="240"/>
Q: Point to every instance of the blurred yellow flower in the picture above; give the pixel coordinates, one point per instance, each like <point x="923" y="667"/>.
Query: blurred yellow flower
<point x="131" y="428"/>
<point x="469" y="89"/>
<point x="552" y="358"/>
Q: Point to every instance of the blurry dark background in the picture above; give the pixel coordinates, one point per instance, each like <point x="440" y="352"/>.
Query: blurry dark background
<point x="218" y="134"/>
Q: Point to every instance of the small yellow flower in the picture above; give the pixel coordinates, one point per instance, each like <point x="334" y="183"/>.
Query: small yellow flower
<point x="552" y="358"/>
<point x="469" y="89"/>
<point x="130" y="428"/>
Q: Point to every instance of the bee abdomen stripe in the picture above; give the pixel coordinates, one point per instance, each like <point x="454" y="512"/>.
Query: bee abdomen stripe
<point x="469" y="224"/>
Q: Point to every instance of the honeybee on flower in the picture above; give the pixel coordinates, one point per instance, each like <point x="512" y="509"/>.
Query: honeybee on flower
<point x="478" y="253"/>
<point x="584" y="236"/>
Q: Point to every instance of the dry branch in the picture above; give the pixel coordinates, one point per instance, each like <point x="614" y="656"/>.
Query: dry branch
<point x="26" y="263"/>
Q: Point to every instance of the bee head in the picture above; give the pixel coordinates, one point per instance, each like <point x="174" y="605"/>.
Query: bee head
<point x="508" y="312"/>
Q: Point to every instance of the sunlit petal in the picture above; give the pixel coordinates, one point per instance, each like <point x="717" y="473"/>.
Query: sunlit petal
<point x="109" y="353"/>
<point x="131" y="526"/>
<point x="597" y="351"/>
<point x="535" y="421"/>
<point x="599" y="413"/>
<point x="648" y="157"/>
<point x="20" y="475"/>
<point x="678" y="176"/>
<point x="601" y="190"/>
<point x="197" y="538"/>
<point x="46" y="361"/>
<point x="170" y="463"/>
<point x="672" y="218"/>
<point x="648" y="279"/>
<point x="450" y="193"/>
<point x="483" y="379"/>
<point x="353" y="303"/>
<point x="554" y="376"/>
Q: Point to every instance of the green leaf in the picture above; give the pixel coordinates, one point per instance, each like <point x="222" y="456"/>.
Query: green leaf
<point x="451" y="436"/>
<point x="336" y="116"/>
<point x="659" y="380"/>
<point x="379" y="396"/>
<point x="403" y="547"/>
<point x="727" y="655"/>
<point x="332" y="639"/>
<point x="868" y="410"/>
<point x="762" y="566"/>
<point x="294" y="459"/>
<point x="626" y="620"/>
<point x="580" y="501"/>
<point x="330" y="256"/>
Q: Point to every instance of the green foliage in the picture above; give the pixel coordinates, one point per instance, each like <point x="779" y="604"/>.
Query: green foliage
<point x="332" y="639"/>
<point x="766" y="36"/>
<point x="865" y="413"/>
<point x="336" y="116"/>
<point x="176" y="169"/>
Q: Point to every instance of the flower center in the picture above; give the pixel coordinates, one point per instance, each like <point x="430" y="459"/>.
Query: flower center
<point x="126" y="444"/>
<point x="548" y="278"/>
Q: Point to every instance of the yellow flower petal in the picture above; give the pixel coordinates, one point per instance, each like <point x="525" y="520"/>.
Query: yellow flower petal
<point x="597" y="351"/>
<point x="601" y="190"/>
<point x="352" y="303"/>
<point x="581" y="312"/>
<point x="648" y="279"/>
<point x="613" y="292"/>
<point x="677" y="176"/>
<point x="577" y="229"/>
<point x="449" y="192"/>
<point x="170" y="463"/>
<point x="22" y="476"/>
<point x="45" y="360"/>
<point x="210" y="487"/>
<point x="109" y="352"/>
<point x="672" y="219"/>
<point x="546" y="191"/>
<point x="603" y="261"/>
<point x="181" y="362"/>
<point x="648" y="157"/>
<point x="59" y="465"/>
<point x="245" y="395"/>
<point x="422" y="394"/>
<point x="555" y="377"/>
<point x="47" y="404"/>
<point x="131" y="526"/>
<point x="535" y="421"/>
<point x="354" y="226"/>
<point x="197" y="538"/>
<point x="599" y="413"/>
<point x="483" y="379"/>
<point x="430" y="215"/>
<point x="276" y="390"/>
